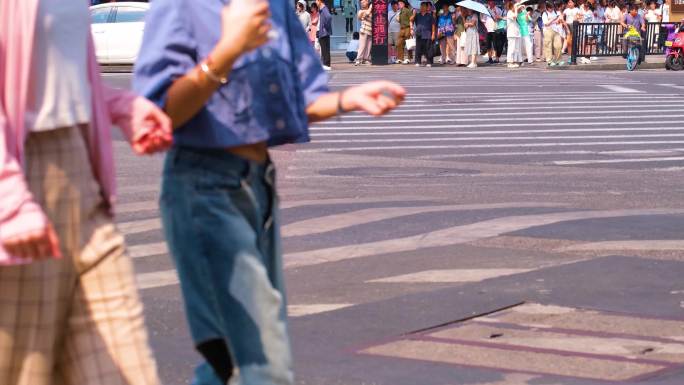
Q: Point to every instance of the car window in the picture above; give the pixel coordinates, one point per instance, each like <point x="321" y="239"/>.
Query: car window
<point x="100" y="15"/>
<point x="129" y="15"/>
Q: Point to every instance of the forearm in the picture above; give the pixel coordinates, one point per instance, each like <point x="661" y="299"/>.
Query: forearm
<point x="188" y="94"/>
<point x="325" y="107"/>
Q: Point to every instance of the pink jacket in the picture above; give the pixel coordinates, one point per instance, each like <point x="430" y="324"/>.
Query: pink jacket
<point x="18" y="212"/>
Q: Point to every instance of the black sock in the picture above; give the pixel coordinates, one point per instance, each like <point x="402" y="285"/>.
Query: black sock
<point x="217" y="355"/>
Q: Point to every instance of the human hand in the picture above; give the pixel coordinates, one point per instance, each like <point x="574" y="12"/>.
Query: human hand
<point x="375" y="98"/>
<point x="36" y="245"/>
<point x="245" y="25"/>
<point x="152" y="128"/>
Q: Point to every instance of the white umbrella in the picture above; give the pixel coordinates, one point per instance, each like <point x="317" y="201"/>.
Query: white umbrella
<point x="474" y="5"/>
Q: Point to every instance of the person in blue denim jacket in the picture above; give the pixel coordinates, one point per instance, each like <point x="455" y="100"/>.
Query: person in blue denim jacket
<point x="235" y="79"/>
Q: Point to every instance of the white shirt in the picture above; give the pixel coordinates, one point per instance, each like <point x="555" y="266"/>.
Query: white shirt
<point x="393" y="19"/>
<point x="353" y="46"/>
<point x="665" y="11"/>
<point x="571" y="14"/>
<point x="612" y="14"/>
<point x="651" y="15"/>
<point x="305" y="19"/>
<point x="59" y="91"/>
<point x="600" y="14"/>
<point x="512" y="27"/>
<point x="547" y="17"/>
<point x="488" y="21"/>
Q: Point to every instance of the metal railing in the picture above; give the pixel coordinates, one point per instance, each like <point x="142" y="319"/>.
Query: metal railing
<point x="605" y="39"/>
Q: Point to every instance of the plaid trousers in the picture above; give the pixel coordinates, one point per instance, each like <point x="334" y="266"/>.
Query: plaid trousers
<point x="77" y="320"/>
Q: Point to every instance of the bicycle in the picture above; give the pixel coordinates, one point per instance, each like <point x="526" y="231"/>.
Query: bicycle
<point x="632" y="42"/>
<point x="633" y="52"/>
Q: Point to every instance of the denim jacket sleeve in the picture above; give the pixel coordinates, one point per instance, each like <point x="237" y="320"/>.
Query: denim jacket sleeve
<point x="168" y="51"/>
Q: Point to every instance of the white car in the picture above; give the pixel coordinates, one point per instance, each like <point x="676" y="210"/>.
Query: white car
<point x="117" y="30"/>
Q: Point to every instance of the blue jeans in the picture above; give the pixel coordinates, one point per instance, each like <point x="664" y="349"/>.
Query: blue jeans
<point x="219" y="213"/>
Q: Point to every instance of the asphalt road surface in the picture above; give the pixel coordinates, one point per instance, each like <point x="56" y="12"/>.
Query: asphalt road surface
<point x="501" y="227"/>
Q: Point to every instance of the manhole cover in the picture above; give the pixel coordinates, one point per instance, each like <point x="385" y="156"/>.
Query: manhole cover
<point x="550" y="340"/>
<point x="398" y="172"/>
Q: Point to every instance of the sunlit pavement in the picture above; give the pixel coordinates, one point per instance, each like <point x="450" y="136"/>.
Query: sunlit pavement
<point x="502" y="227"/>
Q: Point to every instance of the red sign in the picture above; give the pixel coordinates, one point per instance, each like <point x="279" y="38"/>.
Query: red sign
<point x="380" y="27"/>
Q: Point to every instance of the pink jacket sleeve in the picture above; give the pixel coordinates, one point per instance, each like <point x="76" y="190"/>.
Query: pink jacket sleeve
<point x="19" y="214"/>
<point x="121" y="106"/>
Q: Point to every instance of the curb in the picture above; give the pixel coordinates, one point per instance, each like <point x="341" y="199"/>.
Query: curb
<point x="606" y="67"/>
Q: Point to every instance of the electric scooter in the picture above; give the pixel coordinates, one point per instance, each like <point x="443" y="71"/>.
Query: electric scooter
<point x="674" y="60"/>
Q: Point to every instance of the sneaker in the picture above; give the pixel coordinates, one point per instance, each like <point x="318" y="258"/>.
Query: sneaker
<point x="560" y="63"/>
<point x="417" y="65"/>
<point x="398" y="61"/>
<point x="429" y="65"/>
<point x="406" y="61"/>
<point x="327" y="68"/>
<point x="511" y="65"/>
<point x="472" y="65"/>
<point x="356" y="63"/>
<point x="552" y="64"/>
<point x="449" y="62"/>
<point x="585" y="60"/>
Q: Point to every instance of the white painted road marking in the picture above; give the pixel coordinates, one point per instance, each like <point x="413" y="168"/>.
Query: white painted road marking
<point x="619" y="89"/>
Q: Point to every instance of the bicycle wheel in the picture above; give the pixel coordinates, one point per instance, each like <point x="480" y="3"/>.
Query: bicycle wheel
<point x="632" y="58"/>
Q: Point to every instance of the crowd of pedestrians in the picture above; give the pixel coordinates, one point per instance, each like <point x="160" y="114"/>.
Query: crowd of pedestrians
<point x="70" y="312"/>
<point x="524" y="31"/>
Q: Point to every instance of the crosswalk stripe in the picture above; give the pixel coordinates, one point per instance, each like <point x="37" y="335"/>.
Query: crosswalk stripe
<point x="533" y="153"/>
<point x="487" y="132"/>
<point x="148" y="249"/>
<point x="454" y="126"/>
<point x="615" y="120"/>
<point x="500" y="110"/>
<point x="455" y="235"/>
<point x="672" y="86"/>
<point x="494" y="138"/>
<point x="619" y="89"/>
<point x="140" y="226"/>
<point x="660" y="245"/>
<point x="357" y="119"/>
<point x="506" y="145"/>
<point x="607" y="161"/>
<point x="340" y="221"/>
<point x="534" y="103"/>
<point x="450" y="276"/>
<point x="134" y="207"/>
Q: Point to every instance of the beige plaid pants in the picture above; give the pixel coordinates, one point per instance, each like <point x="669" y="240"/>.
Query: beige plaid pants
<point x="77" y="320"/>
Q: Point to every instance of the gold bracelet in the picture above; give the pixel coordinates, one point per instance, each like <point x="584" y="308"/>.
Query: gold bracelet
<point x="211" y="75"/>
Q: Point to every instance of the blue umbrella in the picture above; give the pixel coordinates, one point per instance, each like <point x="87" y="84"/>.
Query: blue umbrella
<point x="474" y="5"/>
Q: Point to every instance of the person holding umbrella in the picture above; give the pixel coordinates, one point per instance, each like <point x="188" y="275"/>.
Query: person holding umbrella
<point x="472" y="43"/>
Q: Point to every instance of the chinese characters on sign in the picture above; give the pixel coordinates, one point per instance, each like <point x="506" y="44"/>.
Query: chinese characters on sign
<point x="380" y="32"/>
<point x="380" y="22"/>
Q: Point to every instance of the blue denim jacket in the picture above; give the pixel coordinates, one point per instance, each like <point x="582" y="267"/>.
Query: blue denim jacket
<point x="268" y="89"/>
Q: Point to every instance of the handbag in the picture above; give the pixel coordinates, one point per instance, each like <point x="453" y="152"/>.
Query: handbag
<point x="411" y="44"/>
<point x="462" y="40"/>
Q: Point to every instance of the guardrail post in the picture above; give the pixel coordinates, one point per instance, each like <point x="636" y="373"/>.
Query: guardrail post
<point x="575" y="42"/>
